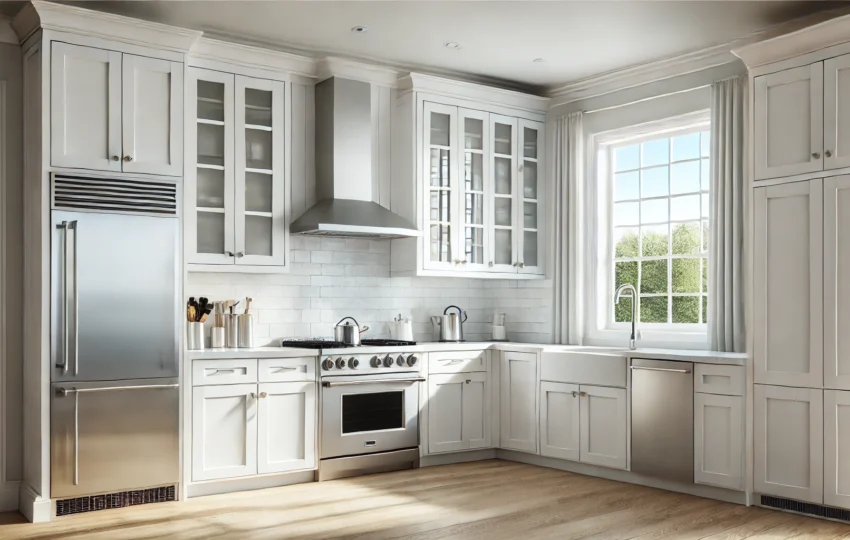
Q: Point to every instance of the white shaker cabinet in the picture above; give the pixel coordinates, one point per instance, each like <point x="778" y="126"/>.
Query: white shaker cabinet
<point x="836" y="489"/>
<point x="789" y="120"/>
<point x="458" y="412"/>
<point x="286" y="426"/>
<point x="518" y="401"/>
<point x="836" y="293"/>
<point x="603" y="426"/>
<point x="559" y="420"/>
<point x="788" y="442"/>
<point x="788" y="283"/>
<point x="836" y="116"/>
<point x="529" y="194"/>
<point x="224" y="431"/>
<point x="719" y="440"/>
<point x="113" y="111"/>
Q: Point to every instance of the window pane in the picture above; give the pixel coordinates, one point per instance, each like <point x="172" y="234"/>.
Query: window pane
<point x="686" y="239"/>
<point x="626" y="214"/>
<point x="626" y="158"/>
<point x="654" y="211"/>
<point x="705" y="178"/>
<point x="626" y="186"/>
<point x="653" y="276"/>
<point x="653" y="309"/>
<point x="705" y="202"/>
<point x="705" y="309"/>
<point x="705" y="143"/>
<point x="685" y="274"/>
<point x="473" y="133"/>
<point x="704" y="263"/>
<point x="685" y="177"/>
<point x="623" y="310"/>
<point x="687" y="207"/>
<point x="706" y="233"/>
<point x="624" y="272"/>
<point x="502" y="142"/>
<point x="625" y="242"/>
<point x="655" y="182"/>
<point x="655" y="241"/>
<point x="655" y="152"/>
<point x="440" y="129"/>
<point x="529" y="143"/>
<point x="686" y="309"/>
<point x="686" y="147"/>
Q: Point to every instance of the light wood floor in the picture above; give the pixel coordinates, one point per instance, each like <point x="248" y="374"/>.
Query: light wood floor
<point x="487" y="500"/>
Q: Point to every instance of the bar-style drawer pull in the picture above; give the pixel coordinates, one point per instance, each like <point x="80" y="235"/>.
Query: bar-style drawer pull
<point x="331" y="384"/>
<point x="661" y="369"/>
<point x="223" y="372"/>
<point x="287" y="369"/>
<point x="66" y="391"/>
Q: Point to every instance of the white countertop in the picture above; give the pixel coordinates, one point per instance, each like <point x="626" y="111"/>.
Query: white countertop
<point x="698" y="356"/>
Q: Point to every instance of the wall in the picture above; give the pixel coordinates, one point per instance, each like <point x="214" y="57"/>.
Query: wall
<point x="332" y="278"/>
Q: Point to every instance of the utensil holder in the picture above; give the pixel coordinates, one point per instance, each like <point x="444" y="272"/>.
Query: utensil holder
<point x="231" y="332"/>
<point x="195" y="336"/>
<point x="217" y="337"/>
<point x="246" y="331"/>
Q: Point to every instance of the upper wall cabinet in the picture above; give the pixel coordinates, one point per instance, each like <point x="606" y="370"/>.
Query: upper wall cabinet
<point x="469" y="173"/>
<point x="235" y="185"/>
<point x="113" y="111"/>
<point x="802" y="119"/>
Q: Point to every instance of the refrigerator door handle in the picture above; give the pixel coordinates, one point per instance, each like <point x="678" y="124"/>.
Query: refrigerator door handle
<point x="72" y="226"/>
<point x="65" y="341"/>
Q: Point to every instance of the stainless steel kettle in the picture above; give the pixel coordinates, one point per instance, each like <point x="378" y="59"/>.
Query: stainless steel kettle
<point x="451" y="324"/>
<point x="348" y="333"/>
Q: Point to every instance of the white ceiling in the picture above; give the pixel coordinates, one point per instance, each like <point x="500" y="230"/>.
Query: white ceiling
<point x="498" y="40"/>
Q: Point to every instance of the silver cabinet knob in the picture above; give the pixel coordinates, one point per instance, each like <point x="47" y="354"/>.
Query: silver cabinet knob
<point x="252" y="395"/>
<point x="468" y="381"/>
<point x="490" y="264"/>
<point x="128" y="158"/>
<point x="263" y="395"/>
<point x="827" y="154"/>
<point x="582" y="394"/>
<point x="115" y="158"/>
<point x="816" y="155"/>
<point x="229" y="253"/>
<point x="239" y="254"/>
<point x="575" y="394"/>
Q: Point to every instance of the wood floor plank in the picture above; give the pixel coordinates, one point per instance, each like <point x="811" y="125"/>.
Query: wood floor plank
<point x="487" y="500"/>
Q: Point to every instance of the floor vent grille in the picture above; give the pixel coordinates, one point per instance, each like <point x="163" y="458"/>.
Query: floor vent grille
<point x="806" y="508"/>
<point x="93" y="503"/>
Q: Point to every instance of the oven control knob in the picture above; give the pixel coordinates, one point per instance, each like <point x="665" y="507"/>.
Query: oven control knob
<point x="353" y="363"/>
<point x="388" y="361"/>
<point x="376" y="362"/>
<point x="340" y="363"/>
<point x="400" y="360"/>
<point x="411" y="360"/>
<point x="328" y="364"/>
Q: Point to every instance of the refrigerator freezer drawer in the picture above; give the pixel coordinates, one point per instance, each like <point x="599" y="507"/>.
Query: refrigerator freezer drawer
<point x="115" y="436"/>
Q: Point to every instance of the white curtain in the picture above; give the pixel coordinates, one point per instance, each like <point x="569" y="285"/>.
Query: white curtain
<point x="726" y="246"/>
<point x="568" y="159"/>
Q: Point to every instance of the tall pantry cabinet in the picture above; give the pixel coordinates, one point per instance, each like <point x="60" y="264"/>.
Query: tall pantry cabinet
<point x="801" y="264"/>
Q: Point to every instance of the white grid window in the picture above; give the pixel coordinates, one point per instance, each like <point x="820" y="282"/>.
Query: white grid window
<point x="659" y="219"/>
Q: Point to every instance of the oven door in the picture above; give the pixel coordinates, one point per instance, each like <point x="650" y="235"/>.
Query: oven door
<point x="368" y="414"/>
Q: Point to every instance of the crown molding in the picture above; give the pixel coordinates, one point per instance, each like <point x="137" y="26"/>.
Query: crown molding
<point x="7" y="33"/>
<point x="59" y="17"/>
<point x="467" y="90"/>
<point x="253" y="56"/>
<point x="334" y="66"/>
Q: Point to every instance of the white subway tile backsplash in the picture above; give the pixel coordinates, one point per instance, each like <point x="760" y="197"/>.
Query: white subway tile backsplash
<point x="331" y="278"/>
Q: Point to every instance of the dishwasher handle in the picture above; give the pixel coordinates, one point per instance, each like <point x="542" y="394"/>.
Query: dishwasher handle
<point x="668" y="370"/>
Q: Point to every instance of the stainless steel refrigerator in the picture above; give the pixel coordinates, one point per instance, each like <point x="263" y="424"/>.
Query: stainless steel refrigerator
<point x="114" y="337"/>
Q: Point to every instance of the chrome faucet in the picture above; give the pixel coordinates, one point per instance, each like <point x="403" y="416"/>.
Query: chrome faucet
<point x="617" y="295"/>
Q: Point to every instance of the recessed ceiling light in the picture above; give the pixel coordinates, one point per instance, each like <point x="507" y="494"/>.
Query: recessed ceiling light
<point x="453" y="45"/>
<point x="359" y="29"/>
<point x="538" y="60"/>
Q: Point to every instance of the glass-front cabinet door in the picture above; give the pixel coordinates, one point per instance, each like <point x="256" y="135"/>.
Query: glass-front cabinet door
<point x="259" y="176"/>
<point x="209" y="175"/>
<point x="503" y="191"/>
<point x="474" y="138"/>
<point x="442" y="188"/>
<point x="529" y="195"/>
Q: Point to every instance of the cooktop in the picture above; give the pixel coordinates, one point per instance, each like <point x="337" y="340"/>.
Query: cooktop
<point x="327" y="344"/>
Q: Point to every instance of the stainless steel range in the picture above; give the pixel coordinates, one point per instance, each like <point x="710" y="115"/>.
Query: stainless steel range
<point x="369" y="409"/>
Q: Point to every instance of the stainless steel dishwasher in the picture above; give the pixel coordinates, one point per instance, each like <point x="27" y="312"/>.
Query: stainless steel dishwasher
<point x="663" y="419"/>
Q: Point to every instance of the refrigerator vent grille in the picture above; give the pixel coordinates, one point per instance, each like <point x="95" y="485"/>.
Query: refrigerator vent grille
<point x="115" y="195"/>
<point x="806" y="508"/>
<point x="93" y="503"/>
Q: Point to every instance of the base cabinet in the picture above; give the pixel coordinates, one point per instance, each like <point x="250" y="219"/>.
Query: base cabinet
<point x="788" y="442"/>
<point x="559" y="420"/>
<point x="458" y="406"/>
<point x="286" y="427"/>
<point x="518" y="402"/>
<point x="719" y="440"/>
<point x="836" y="489"/>
<point x="603" y="426"/>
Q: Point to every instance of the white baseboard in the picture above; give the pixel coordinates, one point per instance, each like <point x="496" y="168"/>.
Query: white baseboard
<point x="458" y="457"/>
<point x="33" y="506"/>
<point x="248" y="483"/>
<point x="9" y="496"/>
<point x="709" y="492"/>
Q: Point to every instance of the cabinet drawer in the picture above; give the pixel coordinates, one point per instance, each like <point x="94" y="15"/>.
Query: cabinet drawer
<point x="722" y="380"/>
<point x="286" y="369"/>
<point x="457" y="362"/>
<point x="207" y="372"/>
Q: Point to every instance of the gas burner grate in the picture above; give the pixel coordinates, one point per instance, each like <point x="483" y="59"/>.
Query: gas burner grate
<point x="312" y="344"/>
<point x="386" y="343"/>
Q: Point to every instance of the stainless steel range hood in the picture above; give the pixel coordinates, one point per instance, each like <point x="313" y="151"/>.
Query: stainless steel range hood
<point x="344" y="168"/>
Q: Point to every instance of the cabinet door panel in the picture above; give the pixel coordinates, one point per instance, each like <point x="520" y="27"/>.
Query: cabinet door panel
<point x="474" y="140"/>
<point x="518" y="401"/>
<point x="85" y="101"/>
<point x="476" y="405"/>
<point x="531" y="193"/>
<point x="441" y="186"/>
<point x="788" y="441"/>
<point x="603" y="426"/>
<point x="836" y="293"/>
<point x="788" y="266"/>
<point x="224" y="431"/>
<point x="789" y="122"/>
<point x="719" y="440"/>
<point x="504" y="199"/>
<point x="836" y="490"/>
<point x="559" y="420"/>
<point x="836" y="116"/>
<point x="286" y="430"/>
<point x="445" y="417"/>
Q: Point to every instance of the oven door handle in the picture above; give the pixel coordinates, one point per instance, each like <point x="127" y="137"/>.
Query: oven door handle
<point x="331" y="384"/>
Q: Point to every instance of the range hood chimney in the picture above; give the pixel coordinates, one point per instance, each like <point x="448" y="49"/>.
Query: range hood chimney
<point x="344" y="168"/>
